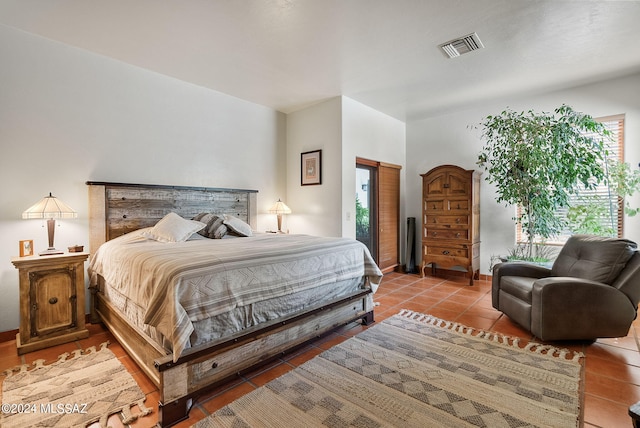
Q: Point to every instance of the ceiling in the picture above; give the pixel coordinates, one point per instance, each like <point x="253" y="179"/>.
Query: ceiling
<point x="288" y="54"/>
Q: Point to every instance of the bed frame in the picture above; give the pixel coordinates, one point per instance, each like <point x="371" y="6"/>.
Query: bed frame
<point x="119" y="208"/>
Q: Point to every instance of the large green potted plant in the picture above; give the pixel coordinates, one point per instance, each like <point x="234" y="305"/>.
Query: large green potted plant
<point x="537" y="160"/>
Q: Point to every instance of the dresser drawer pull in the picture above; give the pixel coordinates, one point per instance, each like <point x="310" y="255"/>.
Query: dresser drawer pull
<point x="445" y="252"/>
<point x="434" y="234"/>
<point x="458" y="221"/>
<point x="458" y="235"/>
<point x="53" y="300"/>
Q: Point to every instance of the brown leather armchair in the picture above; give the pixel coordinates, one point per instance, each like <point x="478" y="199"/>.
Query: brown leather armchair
<point x="592" y="290"/>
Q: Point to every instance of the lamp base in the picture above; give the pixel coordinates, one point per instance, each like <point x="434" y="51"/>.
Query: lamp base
<point x="50" y="251"/>
<point x="51" y="228"/>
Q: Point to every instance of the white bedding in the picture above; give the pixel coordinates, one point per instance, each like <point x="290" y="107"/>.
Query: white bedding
<point x="187" y="283"/>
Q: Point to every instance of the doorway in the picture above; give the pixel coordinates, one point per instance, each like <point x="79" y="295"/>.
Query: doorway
<point x="366" y="205"/>
<point x="378" y="211"/>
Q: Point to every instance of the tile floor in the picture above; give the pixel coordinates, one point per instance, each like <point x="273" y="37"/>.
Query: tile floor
<point x="612" y="365"/>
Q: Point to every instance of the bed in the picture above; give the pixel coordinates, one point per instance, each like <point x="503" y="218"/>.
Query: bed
<point x="195" y="313"/>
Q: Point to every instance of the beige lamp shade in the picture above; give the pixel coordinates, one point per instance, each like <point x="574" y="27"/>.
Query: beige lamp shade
<point x="50" y="208"/>
<point x="280" y="208"/>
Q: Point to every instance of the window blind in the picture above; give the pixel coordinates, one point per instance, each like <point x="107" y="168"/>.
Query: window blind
<point x="609" y="216"/>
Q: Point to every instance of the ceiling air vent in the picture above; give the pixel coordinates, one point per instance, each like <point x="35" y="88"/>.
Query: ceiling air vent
<point x="462" y="45"/>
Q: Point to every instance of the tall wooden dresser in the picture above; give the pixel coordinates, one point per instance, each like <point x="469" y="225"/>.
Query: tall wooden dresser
<point x="451" y="219"/>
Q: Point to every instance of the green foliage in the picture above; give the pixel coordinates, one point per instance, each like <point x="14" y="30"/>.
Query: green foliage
<point x="362" y="219"/>
<point x="592" y="215"/>
<point x="625" y="182"/>
<point x="541" y="254"/>
<point x="537" y="160"/>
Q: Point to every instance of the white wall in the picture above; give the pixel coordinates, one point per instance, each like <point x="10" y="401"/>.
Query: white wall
<point x="315" y="209"/>
<point x="343" y="129"/>
<point x="452" y="139"/>
<point x="368" y="134"/>
<point x="68" y="116"/>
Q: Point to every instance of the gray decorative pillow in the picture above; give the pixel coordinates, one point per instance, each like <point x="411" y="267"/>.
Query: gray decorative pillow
<point x="215" y="227"/>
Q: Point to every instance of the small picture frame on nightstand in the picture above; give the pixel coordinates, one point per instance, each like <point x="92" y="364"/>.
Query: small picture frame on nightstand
<point x="26" y="248"/>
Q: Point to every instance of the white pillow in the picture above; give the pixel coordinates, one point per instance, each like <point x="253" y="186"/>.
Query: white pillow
<point x="237" y="225"/>
<point x="173" y="228"/>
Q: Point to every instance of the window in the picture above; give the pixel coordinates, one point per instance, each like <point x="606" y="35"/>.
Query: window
<point x="593" y="211"/>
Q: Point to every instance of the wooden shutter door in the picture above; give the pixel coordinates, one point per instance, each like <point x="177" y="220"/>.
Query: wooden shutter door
<point x="388" y="216"/>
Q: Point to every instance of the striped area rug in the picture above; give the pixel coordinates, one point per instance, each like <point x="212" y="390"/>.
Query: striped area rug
<point x="74" y="391"/>
<point x="415" y="370"/>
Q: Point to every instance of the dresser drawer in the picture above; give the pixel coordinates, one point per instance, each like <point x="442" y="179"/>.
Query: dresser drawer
<point x="458" y="204"/>
<point x="444" y="250"/>
<point x="435" y="205"/>
<point x="439" y="233"/>
<point x="448" y="221"/>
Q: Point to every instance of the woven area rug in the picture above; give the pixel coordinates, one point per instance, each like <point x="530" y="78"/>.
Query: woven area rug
<point x="72" y="392"/>
<point x="415" y="370"/>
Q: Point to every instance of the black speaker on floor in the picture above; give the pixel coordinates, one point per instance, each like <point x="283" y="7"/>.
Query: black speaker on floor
<point x="410" y="255"/>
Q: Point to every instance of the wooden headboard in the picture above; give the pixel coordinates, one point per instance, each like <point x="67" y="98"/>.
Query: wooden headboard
<point x="119" y="208"/>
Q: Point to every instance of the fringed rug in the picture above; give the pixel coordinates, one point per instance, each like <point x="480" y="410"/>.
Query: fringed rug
<point x="72" y="392"/>
<point x="415" y="370"/>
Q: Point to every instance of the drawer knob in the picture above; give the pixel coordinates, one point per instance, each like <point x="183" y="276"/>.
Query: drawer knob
<point x="434" y="234"/>
<point x="458" y="235"/>
<point x="445" y="252"/>
<point x="458" y="221"/>
<point x="53" y="300"/>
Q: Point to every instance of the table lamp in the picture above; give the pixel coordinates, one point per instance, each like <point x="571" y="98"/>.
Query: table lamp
<point x="280" y="208"/>
<point x="50" y="208"/>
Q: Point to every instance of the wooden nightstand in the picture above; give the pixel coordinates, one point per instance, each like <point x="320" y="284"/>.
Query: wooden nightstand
<point x="52" y="306"/>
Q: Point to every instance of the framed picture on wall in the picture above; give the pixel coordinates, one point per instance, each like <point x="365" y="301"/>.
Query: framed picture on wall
<point x="26" y="248"/>
<point x="311" y="168"/>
